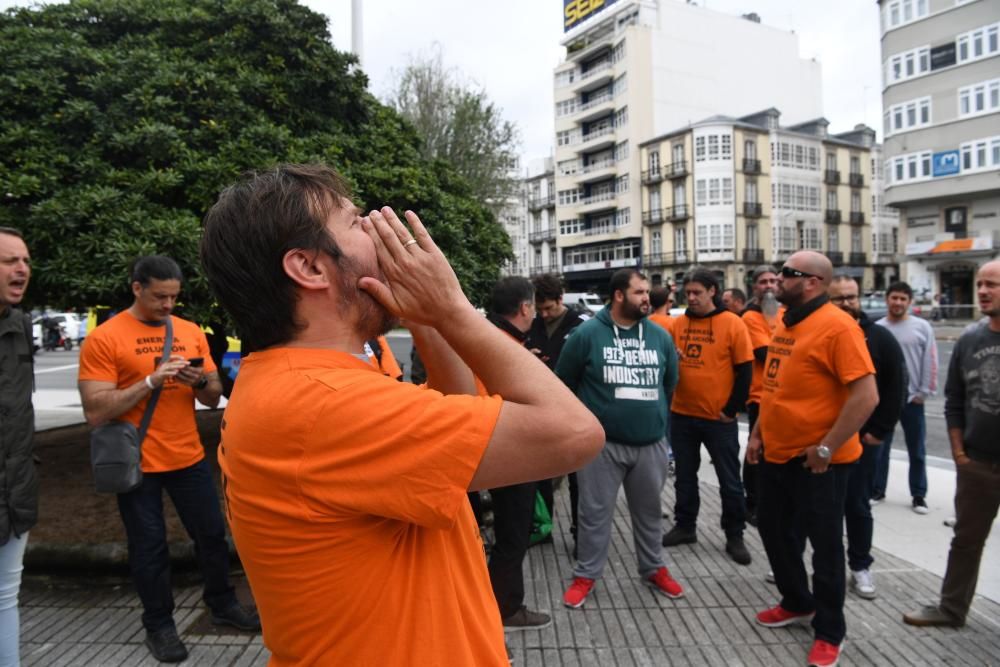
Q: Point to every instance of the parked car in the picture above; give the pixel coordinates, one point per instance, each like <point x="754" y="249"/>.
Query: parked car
<point x="584" y="301"/>
<point x="875" y="307"/>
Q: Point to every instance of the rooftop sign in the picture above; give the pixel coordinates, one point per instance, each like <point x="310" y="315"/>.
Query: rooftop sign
<point x="576" y="12"/>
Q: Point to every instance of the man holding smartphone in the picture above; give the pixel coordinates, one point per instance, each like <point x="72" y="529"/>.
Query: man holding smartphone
<point x="121" y="365"/>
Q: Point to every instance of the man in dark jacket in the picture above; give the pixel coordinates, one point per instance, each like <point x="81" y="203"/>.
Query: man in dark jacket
<point x="512" y="310"/>
<point x="552" y="324"/>
<point x="19" y="505"/>
<point x="890" y="378"/>
<point x="623" y="369"/>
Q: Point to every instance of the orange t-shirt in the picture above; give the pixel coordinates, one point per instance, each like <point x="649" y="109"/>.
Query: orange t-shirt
<point x="346" y="494"/>
<point x="124" y="351"/>
<point x="388" y="366"/>
<point x="665" y="321"/>
<point x="707" y="350"/>
<point x="808" y="368"/>
<point x="760" y="336"/>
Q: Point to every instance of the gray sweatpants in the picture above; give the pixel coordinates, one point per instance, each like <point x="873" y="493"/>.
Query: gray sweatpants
<point x="642" y="470"/>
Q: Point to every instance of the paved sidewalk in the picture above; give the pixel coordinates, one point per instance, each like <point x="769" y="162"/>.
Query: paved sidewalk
<point x="96" y="622"/>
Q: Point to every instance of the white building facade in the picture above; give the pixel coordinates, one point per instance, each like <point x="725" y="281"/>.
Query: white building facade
<point x="941" y="98"/>
<point x="635" y="69"/>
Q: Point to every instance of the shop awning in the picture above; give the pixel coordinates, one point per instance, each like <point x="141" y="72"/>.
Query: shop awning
<point x="955" y="245"/>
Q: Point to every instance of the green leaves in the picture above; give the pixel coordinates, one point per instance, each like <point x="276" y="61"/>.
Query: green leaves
<point x="121" y="120"/>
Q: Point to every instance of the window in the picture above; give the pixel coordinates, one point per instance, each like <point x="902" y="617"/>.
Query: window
<point x="700" y="190"/>
<point x="713" y="147"/>
<point x="855" y="164"/>
<point x="623" y="216"/>
<point x="565" y="78"/>
<point x="654" y="161"/>
<point x="979" y="98"/>
<point x="679" y="198"/>
<point x="981" y="154"/>
<point x="750" y="149"/>
<point x="565" y="108"/>
<point x="833" y="238"/>
<point x="622" y="184"/>
<point x="564" y="138"/>
<point x="831" y="200"/>
<point x="855" y="201"/>
<point x="713" y="192"/>
<point x="909" y="115"/>
<point x="857" y="243"/>
<point x="978" y="43"/>
<point x="750" y="191"/>
<point x="699" y="149"/>
<point x="656" y="243"/>
<point x="677" y="152"/>
<point x="680" y="240"/>
<point x="715" y="237"/>
<point x="567" y="197"/>
<point x="753" y="237"/>
<point x="909" y="64"/>
<point x="621" y="117"/>
<point x="727" y="147"/>
<point x="795" y="155"/>
<point x="654" y="200"/>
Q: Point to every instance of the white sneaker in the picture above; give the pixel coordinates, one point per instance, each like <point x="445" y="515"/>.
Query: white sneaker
<point x="950" y="522"/>
<point x="769" y="577"/>
<point x="862" y="584"/>
<point x="920" y="505"/>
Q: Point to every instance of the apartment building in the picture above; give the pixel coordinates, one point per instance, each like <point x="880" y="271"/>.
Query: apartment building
<point x="540" y="218"/>
<point x="941" y="97"/>
<point x="740" y="192"/>
<point x="635" y="69"/>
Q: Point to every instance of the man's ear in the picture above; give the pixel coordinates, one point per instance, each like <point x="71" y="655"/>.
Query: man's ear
<point x="136" y="288"/>
<point x="304" y="268"/>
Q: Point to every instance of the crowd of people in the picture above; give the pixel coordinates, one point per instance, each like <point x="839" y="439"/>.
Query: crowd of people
<point x="351" y="495"/>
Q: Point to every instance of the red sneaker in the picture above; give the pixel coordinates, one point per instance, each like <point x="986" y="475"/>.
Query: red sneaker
<point x="778" y="617"/>
<point x="663" y="583"/>
<point x="577" y="593"/>
<point x="824" y="654"/>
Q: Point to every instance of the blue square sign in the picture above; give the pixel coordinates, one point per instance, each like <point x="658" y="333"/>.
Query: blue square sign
<point x="945" y="163"/>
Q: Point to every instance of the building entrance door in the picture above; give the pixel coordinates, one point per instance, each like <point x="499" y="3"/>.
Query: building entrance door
<point x="957" y="300"/>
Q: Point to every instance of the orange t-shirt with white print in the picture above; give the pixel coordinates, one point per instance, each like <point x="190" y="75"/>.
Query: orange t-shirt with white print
<point x="760" y="330"/>
<point x="123" y="351"/>
<point x="708" y="349"/>
<point x="808" y="368"/>
<point x="665" y="321"/>
<point x="388" y="365"/>
<point x="346" y="495"/>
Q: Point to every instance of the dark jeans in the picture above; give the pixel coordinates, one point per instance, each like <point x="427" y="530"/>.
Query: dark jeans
<point x="750" y="469"/>
<point x="687" y="434"/>
<point x="858" y="509"/>
<point x="977" y="500"/>
<point x="513" y="508"/>
<point x="795" y="503"/>
<point x="915" y="432"/>
<point x="193" y="494"/>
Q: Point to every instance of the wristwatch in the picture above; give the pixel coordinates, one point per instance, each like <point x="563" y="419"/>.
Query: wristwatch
<point x="201" y="384"/>
<point x="823" y="452"/>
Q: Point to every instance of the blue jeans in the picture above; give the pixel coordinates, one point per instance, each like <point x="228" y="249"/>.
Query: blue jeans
<point x="687" y="434"/>
<point x="915" y="432"/>
<point x="11" y="566"/>
<point x="194" y="496"/>
<point x="794" y="503"/>
<point x="858" y="511"/>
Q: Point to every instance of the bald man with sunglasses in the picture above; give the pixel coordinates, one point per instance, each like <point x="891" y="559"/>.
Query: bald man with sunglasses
<point x="819" y="389"/>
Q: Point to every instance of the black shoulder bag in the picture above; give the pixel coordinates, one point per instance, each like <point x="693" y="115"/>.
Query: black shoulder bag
<point x="116" y="447"/>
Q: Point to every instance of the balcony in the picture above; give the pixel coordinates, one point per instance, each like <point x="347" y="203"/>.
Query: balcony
<point x="832" y="216"/>
<point x="751" y="166"/>
<point x="677" y="169"/>
<point x="831" y="177"/>
<point x="679" y="213"/>
<point x="858" y="258"/>
<point x="538" y="203"/>
<point x="856" y="180"/>
<point x="666" y="259"/>
<point x="751" y="209"/>
<point x="596" y="139"/>
<point x="654" y="217"/>
<point x="836" y="257"/>
<point x="543" y="235"/>
<point x="857" y="218"/>
<point x="753" y="255"/>
<point x="652" y="176"/>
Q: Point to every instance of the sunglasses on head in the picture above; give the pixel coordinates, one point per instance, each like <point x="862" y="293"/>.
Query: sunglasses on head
<point x="789" y="272"/>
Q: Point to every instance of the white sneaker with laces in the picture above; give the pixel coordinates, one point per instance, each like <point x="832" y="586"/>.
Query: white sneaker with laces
<point x="920" y="505"/>
<point x="863" y="584"/>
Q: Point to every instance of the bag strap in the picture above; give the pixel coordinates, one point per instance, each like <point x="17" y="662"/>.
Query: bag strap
<point x="147" y="416"/>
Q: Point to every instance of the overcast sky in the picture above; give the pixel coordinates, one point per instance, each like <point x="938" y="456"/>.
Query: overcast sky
<point x="510" y="49"/>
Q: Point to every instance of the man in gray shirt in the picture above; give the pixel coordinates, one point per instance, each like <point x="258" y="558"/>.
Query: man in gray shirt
<point x="972" y="411"/>
<point x="916" y="338"/>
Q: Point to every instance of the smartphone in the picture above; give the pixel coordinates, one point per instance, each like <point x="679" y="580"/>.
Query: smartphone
<point x="197" y="362"/>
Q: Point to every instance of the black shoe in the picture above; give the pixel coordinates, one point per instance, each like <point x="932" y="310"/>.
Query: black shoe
<point x="165" y="645"/>
<point x="678" y="535"/>
<point x="238" y="616"/>
<point x="737" y="550"/>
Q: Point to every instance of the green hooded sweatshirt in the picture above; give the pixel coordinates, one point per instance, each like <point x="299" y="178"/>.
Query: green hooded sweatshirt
<point x="624" y="376"/>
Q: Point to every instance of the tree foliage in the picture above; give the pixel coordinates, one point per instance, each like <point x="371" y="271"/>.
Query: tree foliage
<point x="460" y="125"/>
<point x="120" y="121"/>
